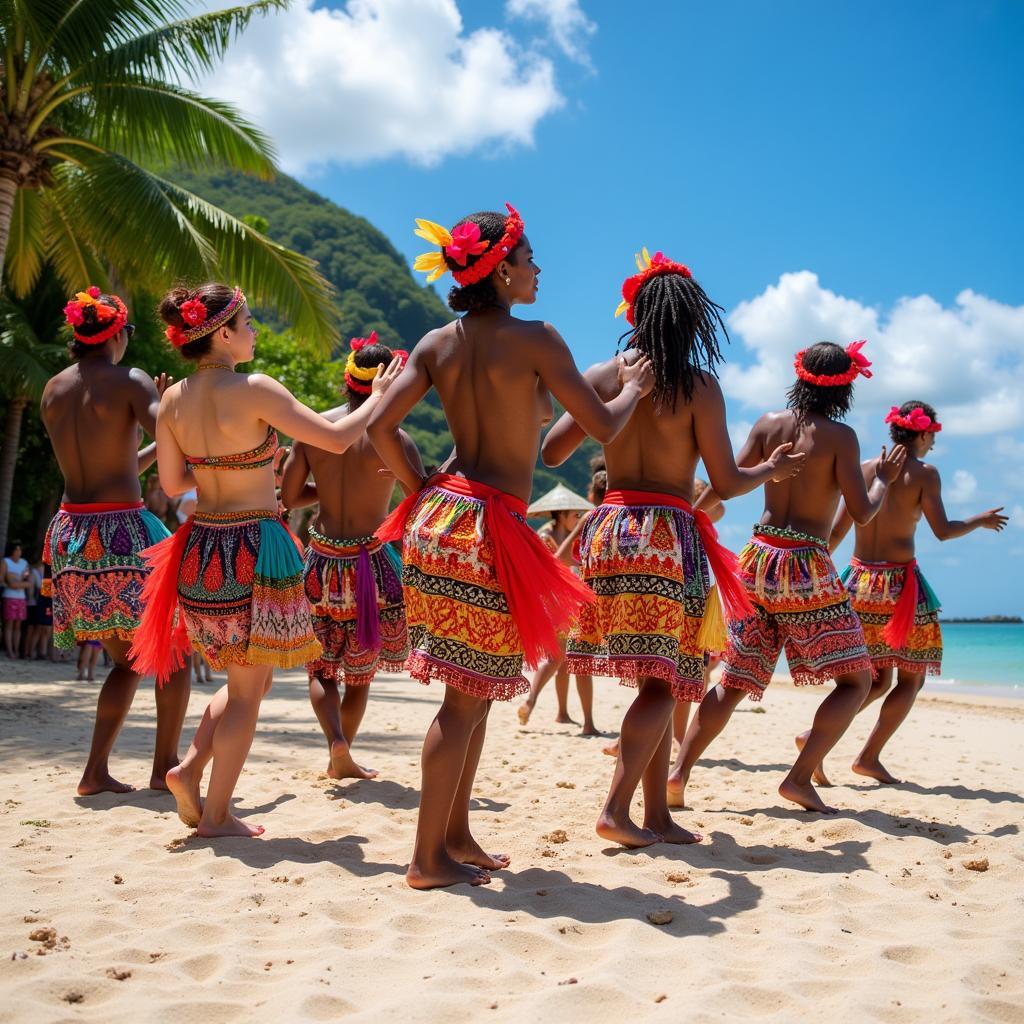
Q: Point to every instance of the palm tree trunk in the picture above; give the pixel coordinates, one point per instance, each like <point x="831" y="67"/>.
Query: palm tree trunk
<point x="8" y="192"/>
<point x="8" y="459"/>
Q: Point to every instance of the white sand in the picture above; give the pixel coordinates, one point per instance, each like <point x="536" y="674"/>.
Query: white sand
<point x="778" y="916"/>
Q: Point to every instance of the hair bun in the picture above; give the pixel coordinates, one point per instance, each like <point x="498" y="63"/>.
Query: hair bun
<point x="170" y="306"/>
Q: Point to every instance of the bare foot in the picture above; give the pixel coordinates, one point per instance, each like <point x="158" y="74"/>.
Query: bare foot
<point x="675" y="791"/>
<point x="105" y="783"/>
<point x="589" y="729"/>
<point x="343" y="767"/>
<point x="875" y="770"/>
<point x="670" y="832"/>
<point x="184" y="787"/>
<point x="469" y="851"/>
<point x="625" y="834"/>
<point x="818" y="776"/>
<point x="524" y="711"/>
<point x="445" y="873"/>
<point x="230" y="827"/>
<point x="612" y="750"/>
<point x="806" y="796"/>
<point x="562" y="718"/>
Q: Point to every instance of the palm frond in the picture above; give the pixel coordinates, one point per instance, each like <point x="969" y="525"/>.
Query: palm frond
<point x="74" y="263"/>
<point x="150" y="121"/>
<point x="26" y="242"/>
<point x="26" y="363"/>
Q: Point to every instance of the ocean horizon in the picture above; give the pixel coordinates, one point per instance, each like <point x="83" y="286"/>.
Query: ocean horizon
<point x="982" y="657"/>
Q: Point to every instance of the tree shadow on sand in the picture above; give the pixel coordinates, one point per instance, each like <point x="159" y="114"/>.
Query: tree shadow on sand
<point x="992" y="796"/>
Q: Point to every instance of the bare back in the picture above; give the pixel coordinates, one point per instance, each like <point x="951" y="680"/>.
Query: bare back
<point x="807" y="502"/>
<point x="92" y="412"/>
<point x="889" y="537"/>
<point x="657" y="449"/>
<point x="211" y="413"/>
<point x="484" y="370"/>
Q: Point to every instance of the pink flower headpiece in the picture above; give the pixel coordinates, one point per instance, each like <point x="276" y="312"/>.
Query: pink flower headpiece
<point x="113" y="317"/>
<point x="917" y="420"/>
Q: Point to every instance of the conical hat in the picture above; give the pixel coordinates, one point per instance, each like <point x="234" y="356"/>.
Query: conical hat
<point x="559" y="499"/>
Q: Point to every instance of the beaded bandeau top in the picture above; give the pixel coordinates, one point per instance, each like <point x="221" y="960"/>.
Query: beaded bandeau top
<point x="263" y="455"/>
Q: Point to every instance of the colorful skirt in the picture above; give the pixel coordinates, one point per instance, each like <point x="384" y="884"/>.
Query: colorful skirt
<point x="481" y="590"/>
<point x="800" y="605"/>
<point x="354" y="588"/>
<point x="647" y="566"/>
<point x="94" y="552"/>
<point x="901" y="623"/>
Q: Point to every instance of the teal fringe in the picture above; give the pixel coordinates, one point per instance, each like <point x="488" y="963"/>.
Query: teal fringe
<point x="278" y="558"/>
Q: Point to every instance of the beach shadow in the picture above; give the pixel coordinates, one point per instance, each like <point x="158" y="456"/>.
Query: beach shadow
<point x="736" y="764"/>
<point x="346" y="852"/>
<point x="157" y="800"/>
<point x="385" y="792"/>
<point x="991" y="796"/>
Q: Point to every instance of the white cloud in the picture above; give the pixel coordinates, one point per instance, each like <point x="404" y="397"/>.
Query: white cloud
<point x="739" y="431"/>
<point x="963" y="489"/>
<point x="967" y="361"/>
<point x="570" y="28"/>
<point x="383" y="78"/>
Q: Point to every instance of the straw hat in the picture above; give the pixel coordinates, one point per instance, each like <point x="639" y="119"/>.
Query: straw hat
<point x="559" y="499"/>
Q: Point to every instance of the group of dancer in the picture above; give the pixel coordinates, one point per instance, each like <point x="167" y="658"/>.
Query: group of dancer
<point x="476" y="594"/>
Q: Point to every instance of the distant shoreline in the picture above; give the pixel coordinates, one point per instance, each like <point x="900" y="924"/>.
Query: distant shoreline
<point x="990" y="620"/>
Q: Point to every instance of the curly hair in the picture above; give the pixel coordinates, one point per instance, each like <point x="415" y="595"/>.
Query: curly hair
<point x="900" y="435"/>
<point x="824" y="358"/>
<point x="89" y="327"/>
<point x="214" y="296"/>
<point x="368" y="356"/>
<point x="483" y="295"/>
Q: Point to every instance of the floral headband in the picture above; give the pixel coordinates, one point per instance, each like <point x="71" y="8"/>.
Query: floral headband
<point x="360" y="378"/>
<point x="859" y="364"/>
<point x="649" y="266"/>
<point x="917" y="420"/>
<point x="462" y="242"/>
<point x="114" y="317"/>
<point x="200" y="323"/>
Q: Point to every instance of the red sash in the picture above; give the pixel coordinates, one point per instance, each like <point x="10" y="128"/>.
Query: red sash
<point x="80" y="508"/>
<point x="543" y="596"/>
<point x="722" y="561"/>
<point x="897" y="629"/>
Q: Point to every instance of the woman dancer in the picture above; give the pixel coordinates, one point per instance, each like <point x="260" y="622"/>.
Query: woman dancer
<point x="352" y="580"/>
<point x="481" y="590"/>
<point x="233" y="570"/>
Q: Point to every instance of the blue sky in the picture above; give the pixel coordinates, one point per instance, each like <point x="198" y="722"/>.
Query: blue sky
<point x="827" y="170"/>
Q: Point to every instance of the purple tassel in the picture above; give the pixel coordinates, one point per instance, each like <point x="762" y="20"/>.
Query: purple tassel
<point x="367" y="618"/>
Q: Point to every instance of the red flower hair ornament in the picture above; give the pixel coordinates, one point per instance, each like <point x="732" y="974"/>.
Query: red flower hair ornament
<point x="462" y="242"/>
<point x="360" y="378"/>
<point x="196" y="314"/>
<point x="113" y="317"/>
<point x="917" y="420"/>
<point x="859" y="364"/>
<point x="649" y="266"/>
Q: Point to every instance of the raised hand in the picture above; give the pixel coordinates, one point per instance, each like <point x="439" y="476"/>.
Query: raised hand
<point x="785" y="465"/>
<point x="162" y="381"/>
<point x="386" y="376"/>
<point x="641" y="373"/>
<point x="890" y="464"/>
<point x="993" y="519"/>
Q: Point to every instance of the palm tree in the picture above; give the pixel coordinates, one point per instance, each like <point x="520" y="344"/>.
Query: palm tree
<point x="93" y="112"/>
<point x="94" y="109"/>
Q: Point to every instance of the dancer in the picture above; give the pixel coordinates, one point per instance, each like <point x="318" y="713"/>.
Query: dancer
<point x="799" y="602"/>
<point x="559" y="534"/>
<point x="353" y="581"/>
<point x="645" y="552"/>
<point x="233" y="568"/>
<point x="481" y="590"/>
<point x="897" y="608"/>
<point x="94" y="542"/>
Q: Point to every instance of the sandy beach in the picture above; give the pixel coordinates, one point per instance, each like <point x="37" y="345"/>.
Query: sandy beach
<point x="113" y="912"/>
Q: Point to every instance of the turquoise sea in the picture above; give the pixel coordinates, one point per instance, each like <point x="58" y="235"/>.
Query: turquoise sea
<point x="981" y="658"/>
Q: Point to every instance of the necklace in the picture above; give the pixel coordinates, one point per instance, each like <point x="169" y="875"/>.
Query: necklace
<point x="214" y="366"/>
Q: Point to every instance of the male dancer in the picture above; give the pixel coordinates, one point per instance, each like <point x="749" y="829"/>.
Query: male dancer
<point x="799" y="601"/>
<point x="644" y="551"/>
<point x="896" y="606"/>
<point x="92" y="411"/>
<point x="353" y="580"/>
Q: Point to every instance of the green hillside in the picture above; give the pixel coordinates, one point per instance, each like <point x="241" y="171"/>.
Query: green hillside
<point x="375" y="291"/>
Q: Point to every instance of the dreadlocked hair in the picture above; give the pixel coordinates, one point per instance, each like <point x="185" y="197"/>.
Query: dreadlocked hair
<point x="824" y="358"/>
<point x="472" y="298"/>
<point x="677" y="328"/>
<point x="900" y="435"/>
<point x="366" y="358"/>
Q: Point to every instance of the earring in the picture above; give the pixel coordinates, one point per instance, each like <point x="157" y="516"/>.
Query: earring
<point x="508" y="280"/>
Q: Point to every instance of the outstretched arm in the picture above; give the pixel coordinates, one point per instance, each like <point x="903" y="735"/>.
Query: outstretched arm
<point x="949" y="529"/>
<point x="281" y="409"/>
<point x="729" y="480"/>
<point x="383" y="428"/>
<point x="297" y="491"/>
